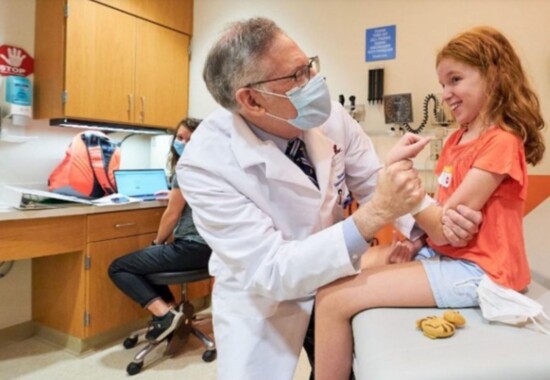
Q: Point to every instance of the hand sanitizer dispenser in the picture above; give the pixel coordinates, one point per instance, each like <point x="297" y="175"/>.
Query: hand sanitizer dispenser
<point x="18" y="96"/>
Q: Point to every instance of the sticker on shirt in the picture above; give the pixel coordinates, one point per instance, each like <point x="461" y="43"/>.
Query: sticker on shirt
<point x="446" y="176"/>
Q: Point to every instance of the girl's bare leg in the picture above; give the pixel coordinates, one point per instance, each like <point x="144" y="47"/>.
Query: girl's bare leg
<point x="397" y="285"/>
<point x="376" y="256"/>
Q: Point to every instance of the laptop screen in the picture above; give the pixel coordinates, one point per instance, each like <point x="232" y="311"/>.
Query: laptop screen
<point x="140" y="183"/>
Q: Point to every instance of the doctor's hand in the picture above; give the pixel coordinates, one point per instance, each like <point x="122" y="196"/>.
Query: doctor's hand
<point x="460" y="225"/>
<point x="398" y="190"/>
<point x="402" y="251"/>
<point x="408" y="146"/>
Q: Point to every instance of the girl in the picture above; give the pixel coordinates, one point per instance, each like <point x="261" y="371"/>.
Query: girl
<point x="483" y="166"/>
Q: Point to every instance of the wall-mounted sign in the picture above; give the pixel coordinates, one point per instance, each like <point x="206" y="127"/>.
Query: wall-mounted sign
<point x="380" y="43"/>
<point x="15" y="61"/>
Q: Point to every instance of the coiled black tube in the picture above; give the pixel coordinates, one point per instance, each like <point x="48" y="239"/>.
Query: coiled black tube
<point x="427" y="99"/>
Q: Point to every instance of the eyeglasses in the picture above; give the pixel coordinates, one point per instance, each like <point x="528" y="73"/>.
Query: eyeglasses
<point x="301" y="77"/>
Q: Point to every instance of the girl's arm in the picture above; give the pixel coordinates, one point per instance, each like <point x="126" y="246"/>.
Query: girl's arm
<point x="171" y="216"/>
<point x="474" y="191"/>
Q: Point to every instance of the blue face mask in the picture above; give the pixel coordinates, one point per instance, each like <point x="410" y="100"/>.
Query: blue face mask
<point x="312" y="103"/>
<point x="179" y="146"/>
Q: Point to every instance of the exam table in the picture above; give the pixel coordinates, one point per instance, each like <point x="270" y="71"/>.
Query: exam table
<point x="388" y="346"/>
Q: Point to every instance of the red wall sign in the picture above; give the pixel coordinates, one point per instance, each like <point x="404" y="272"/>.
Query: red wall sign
<point x="15" y="61"/>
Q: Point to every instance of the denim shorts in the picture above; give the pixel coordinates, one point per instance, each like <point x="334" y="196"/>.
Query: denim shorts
<point x="454" y="282"/>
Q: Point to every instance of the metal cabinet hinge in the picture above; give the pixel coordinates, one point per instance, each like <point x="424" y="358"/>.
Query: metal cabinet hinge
<point x="87" y="318"/>
<point x="64" y="96"/>
<point x="66" y="10"/>
<point x="87" y="263"/>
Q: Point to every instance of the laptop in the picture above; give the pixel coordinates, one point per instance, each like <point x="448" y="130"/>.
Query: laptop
<point x="140" y="183"/>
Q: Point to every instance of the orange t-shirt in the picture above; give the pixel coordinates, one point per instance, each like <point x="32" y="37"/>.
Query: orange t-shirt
<point x="498" y="248"/>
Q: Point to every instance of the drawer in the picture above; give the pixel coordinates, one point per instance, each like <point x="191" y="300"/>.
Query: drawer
<point x="23" y="239"/>
<point x="114" y="225"/>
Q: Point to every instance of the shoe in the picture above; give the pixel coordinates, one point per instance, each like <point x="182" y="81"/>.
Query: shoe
<point x="161" y="327"/>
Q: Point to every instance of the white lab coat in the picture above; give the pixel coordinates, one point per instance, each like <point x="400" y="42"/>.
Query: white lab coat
<point x="275" y="237"/>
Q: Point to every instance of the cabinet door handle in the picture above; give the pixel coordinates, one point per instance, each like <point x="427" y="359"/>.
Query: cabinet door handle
<point x="142" y="108"/>
<point x="130" y="105"/>
<point x="121" y="225"/>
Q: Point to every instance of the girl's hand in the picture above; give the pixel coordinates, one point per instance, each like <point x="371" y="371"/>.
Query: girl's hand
<point x="408" y="146"/>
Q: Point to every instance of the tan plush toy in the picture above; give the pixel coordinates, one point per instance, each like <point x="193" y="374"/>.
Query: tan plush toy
<point x="441" y="327"/>
<point x="454" y="317"/>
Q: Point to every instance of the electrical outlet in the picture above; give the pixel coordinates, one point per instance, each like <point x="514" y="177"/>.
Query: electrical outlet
<point x="436" y="145"/>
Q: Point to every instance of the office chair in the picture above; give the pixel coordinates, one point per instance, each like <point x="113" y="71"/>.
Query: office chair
<point x="186" y="327"/>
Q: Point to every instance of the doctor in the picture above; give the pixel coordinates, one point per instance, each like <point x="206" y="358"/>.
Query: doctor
<point x="276" y="233"/>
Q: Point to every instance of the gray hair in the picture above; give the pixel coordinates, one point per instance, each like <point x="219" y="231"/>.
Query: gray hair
<point x="235" y="59"/>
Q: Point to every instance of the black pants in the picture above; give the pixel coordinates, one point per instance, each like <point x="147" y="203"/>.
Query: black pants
<point x="309" y="346"/>
<point x="128" y="272"/>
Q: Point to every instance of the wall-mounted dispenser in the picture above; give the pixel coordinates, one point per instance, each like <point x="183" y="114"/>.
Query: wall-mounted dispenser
<point x="18" y="96"/>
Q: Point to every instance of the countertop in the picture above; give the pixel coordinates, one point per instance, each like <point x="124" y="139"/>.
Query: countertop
<point x="7" y="214"/>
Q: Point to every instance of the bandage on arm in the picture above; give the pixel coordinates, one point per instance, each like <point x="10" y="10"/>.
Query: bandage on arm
<point x="424" y="204"/>
<point x="407" y="225"/>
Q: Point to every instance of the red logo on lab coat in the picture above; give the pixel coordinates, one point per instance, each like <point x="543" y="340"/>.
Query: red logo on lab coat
<point x="15" y="61"/>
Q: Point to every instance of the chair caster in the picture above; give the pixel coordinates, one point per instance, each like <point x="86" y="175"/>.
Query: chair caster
<point x="134" y="368"/>
<point x="209" y="356"/>
<point x="130" y="342"/>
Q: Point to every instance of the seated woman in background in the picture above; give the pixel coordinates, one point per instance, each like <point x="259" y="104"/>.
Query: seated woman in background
<point x="187" y="251"/>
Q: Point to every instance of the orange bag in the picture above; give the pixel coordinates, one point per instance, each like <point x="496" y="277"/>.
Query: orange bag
<point x="88" y="166"/>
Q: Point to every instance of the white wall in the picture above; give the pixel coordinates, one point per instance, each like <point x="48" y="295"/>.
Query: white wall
<point x="335" y="30"/>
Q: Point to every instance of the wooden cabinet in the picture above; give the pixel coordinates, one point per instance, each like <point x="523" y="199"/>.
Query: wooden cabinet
<point x="72" y="292"/>
<point x="163" y="101"/>
<point x="59" y="293"/>
<point x="108" y="307"/>
<point x="23" y="239"/>
<point x="111" y="235"/>
<point x="113" y="225"/>
<point x="175" y="14"/>
<point x="99" y="75"/>
<point x="57" y="246"/>
<point x="105" y="65"/>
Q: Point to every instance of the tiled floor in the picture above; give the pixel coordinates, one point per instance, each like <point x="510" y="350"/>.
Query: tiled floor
<point x="38" y="360"/>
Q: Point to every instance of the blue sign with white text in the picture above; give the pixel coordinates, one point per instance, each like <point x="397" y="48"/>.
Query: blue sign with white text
<point x="380" y="43"/>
